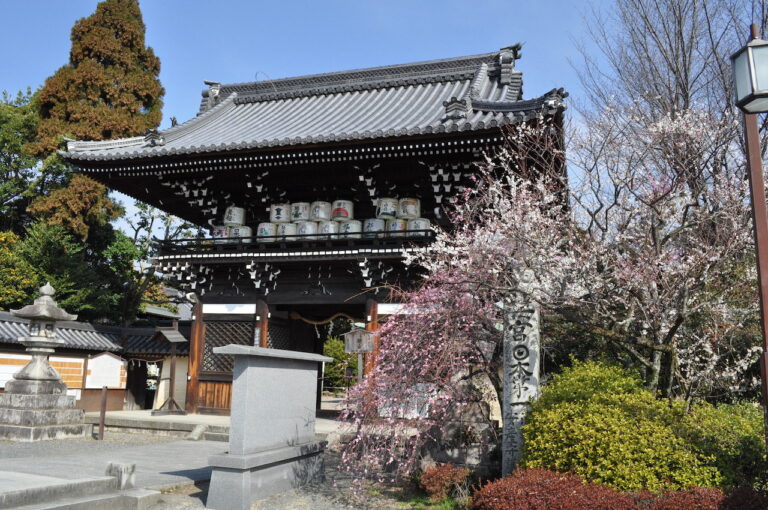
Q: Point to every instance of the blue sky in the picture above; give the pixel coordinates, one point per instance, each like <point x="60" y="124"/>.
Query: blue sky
<point x="235" y="41"/>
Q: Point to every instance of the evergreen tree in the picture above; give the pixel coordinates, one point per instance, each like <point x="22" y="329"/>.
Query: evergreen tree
<point x="110" y="88"/>
<point x="79" y="207"/>
<point x="18" y="279"/>
<point x="18" y="123"/>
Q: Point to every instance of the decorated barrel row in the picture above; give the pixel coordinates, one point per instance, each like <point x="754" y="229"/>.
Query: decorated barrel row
<point x="347" y="229"/>
<point x="342" y="210"/>
<point x="325" y="220"/>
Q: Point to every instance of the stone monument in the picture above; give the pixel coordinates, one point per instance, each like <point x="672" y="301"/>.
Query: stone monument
<point x="35" y="405"/>
<point x="521" y="378"/>
<point x="272" y="446"/>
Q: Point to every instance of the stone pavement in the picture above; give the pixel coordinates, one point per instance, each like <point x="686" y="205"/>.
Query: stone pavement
<point x="77" y="466"/>
<point x="158" y="465"/>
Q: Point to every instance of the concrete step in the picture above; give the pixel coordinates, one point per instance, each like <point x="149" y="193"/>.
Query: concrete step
<point x="216" y="436"/>
<point x="34" y="489"/>
<point x="146" y="426"/>
<point x="133" y="499"/>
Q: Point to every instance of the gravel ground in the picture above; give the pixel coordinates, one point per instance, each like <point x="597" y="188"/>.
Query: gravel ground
<point x="112" y="441"/>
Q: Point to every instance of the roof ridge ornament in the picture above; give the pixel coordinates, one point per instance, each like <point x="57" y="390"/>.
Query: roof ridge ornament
<point x="213" y="94"/>
<point x="456" y="109"/>
<point x="555" y="99"/>
<point x="506" y="60"/>
<point x="154" y="138"/>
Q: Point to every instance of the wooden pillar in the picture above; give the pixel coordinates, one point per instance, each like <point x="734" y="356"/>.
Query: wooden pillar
<point x="197" y="338"/>
<point x="371" y="324"/>
<point x="262" y="310"/>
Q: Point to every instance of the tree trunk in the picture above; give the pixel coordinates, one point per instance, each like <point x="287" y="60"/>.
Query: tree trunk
<point x="654" y="371"/>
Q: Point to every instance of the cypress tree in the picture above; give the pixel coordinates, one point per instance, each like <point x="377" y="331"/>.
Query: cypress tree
<point x="110" y="88"/>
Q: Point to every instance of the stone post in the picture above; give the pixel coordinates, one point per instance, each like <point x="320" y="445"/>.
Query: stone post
<point x="272" y="446"/>
<point x="35" y="405"/>
<point x="521" y="378"/>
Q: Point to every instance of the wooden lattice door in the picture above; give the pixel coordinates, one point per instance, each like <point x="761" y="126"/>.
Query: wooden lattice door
<point x="214" y="387"/>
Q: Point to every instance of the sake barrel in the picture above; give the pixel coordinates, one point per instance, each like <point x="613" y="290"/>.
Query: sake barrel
<point x="396" y="226"/>
<point x="409" y="208"/>
<point x="418" y="224"/>
<point x="342" y="210"/>
<point x="373" y="225"/>
<point x="285" y="230"/>
<point x="327" y="228"/>
<point x="280" y="213"/>
<point x="220" y="233"/>
<point x="320" y="211"/>
<point x="234" y="215"/>
<point x="299" y="211"/>
<point x="266" y="232"/>
<point x="386" y="208"/>
<point x="350" y="229"/>
<point x="244" y="232"/>
<point x="306" y="228"/>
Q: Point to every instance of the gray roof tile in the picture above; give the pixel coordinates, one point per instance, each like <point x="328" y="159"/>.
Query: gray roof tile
<point x="76" y="335"/>
<point x="381" y="102"/>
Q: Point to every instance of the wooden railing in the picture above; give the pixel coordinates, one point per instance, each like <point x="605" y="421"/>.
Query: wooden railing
<point x="295" y="242"/>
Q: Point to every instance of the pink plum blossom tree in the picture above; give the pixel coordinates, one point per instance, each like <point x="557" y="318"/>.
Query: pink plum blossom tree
<point x="648" y="246"/>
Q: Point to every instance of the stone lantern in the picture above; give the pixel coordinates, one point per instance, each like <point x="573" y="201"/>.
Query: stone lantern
<point x="38" y="376"/>
<point x="35" y="405"/>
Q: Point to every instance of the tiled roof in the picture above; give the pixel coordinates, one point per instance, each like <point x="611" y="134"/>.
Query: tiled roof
<point x="460" y="94"/>
<point x="77" y="335"/>
<point x="154" y="344"/>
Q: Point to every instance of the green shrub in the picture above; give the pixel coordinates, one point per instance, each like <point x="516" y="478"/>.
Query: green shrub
<point x="597" y="421"/>
<point x="584" y="380"/>
<point x="603" y="443"/>
<point x="336" y="370"/>
<point x="733" y="436"/>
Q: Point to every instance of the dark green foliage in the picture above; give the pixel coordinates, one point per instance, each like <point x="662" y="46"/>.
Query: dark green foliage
<point x="733" y="436"/>
<point x="109" y="88"/>
<point x="335" y="372"/>
<point x="18" y="123"/>
<point x="89" y="278"/>
<point x="18" y="280"/>
<point x="745" y="498"/>
<point x="57" y="257"/>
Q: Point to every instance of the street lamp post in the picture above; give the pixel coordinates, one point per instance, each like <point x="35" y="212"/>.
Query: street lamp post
<point x="750" y="70"/>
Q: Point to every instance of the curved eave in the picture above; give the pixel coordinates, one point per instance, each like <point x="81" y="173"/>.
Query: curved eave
<point x="495" y="115"/>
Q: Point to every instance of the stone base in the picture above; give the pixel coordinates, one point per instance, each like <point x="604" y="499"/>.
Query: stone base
<point x="33" y="417"/>
<point x="35" y="387"/>
<point x="239" y="480"/>
<point x="42" y="433"/>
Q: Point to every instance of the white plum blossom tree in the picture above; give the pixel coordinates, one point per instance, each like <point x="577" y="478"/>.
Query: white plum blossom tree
<point x="648" y="247"/>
